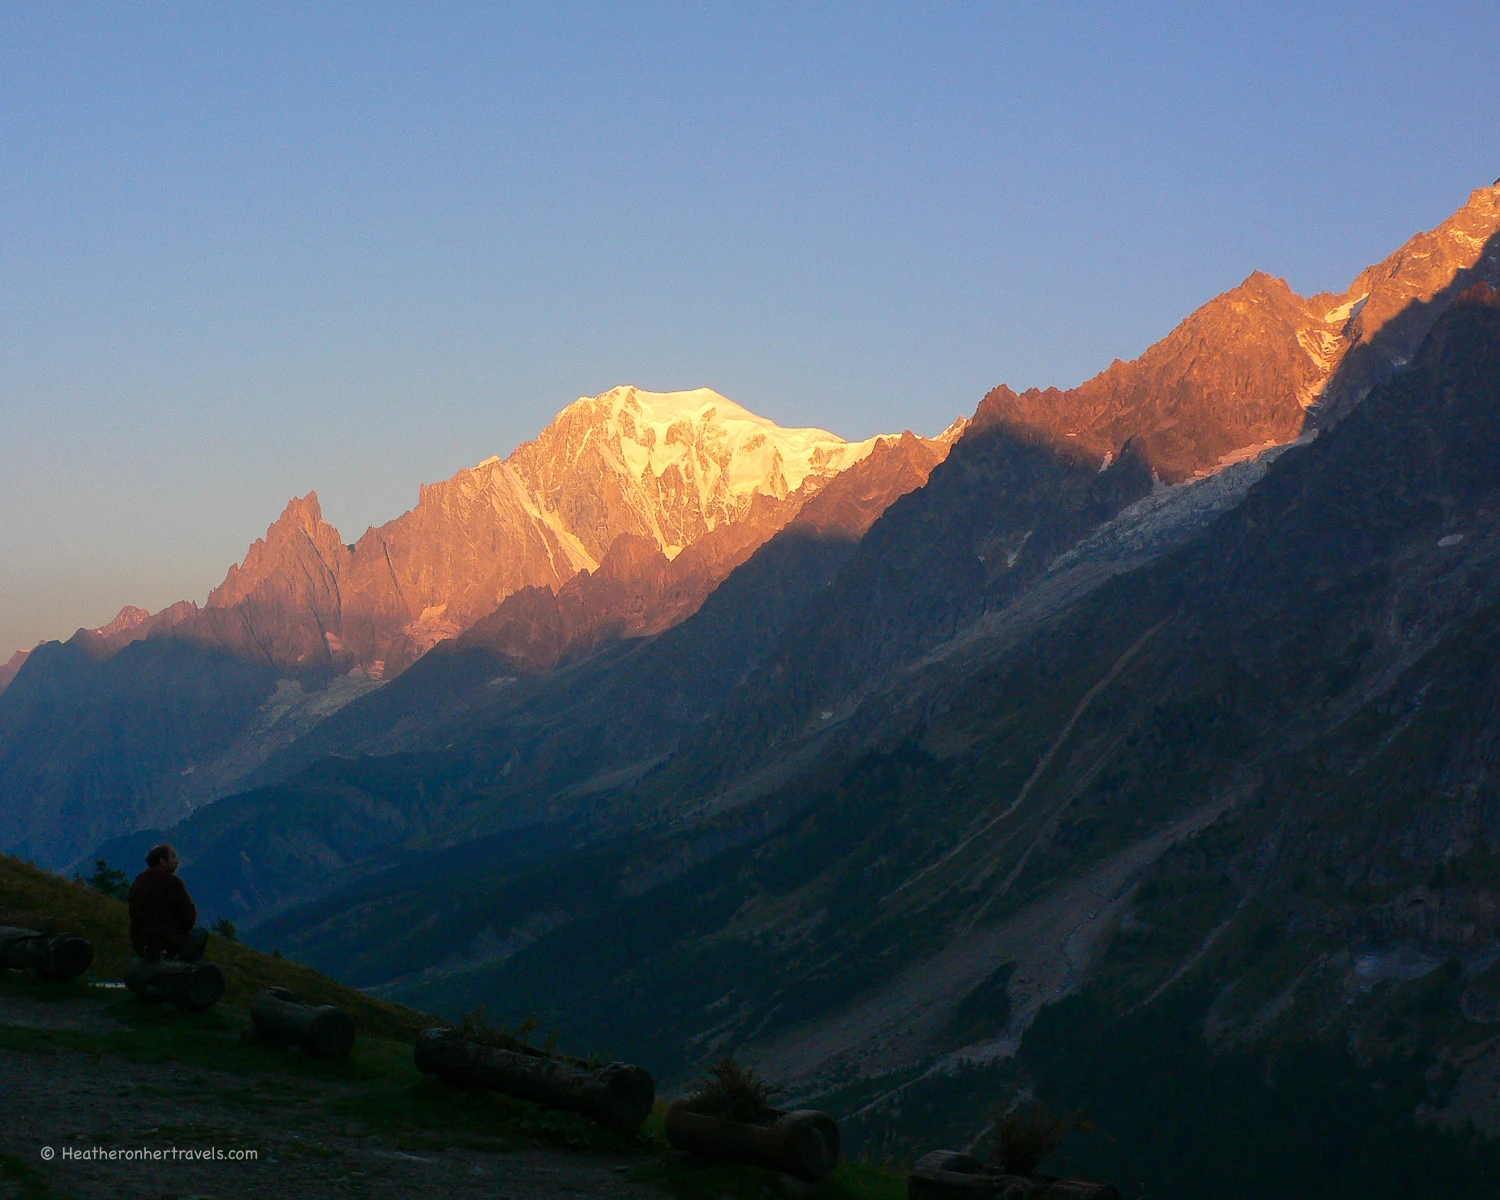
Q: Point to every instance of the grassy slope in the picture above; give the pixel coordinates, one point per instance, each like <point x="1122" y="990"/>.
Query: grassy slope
<point x="35" y="899"/>
<point x="378" y="1091"/>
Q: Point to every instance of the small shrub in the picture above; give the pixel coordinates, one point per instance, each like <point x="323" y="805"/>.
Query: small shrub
<point x="225" y="929"/>
<point x="734" y="1093"/>
<point x="107" y="879"/>
<point x="475" y="1025"/>
<point x="1027" y="1132"/>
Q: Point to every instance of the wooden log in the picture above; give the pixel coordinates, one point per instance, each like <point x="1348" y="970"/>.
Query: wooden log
<point x="949" y="1175"/>
<point x="54" y="956"/>
<point x="193" y="987"/>
<point x="618" y="1096"/>
<point x="803" y="1143"/>
<point x="321" y="1030"/>
<point x="1080" y="1189"/>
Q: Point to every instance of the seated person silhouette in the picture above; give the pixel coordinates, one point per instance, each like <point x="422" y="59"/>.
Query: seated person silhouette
<point x="163" y="917"/>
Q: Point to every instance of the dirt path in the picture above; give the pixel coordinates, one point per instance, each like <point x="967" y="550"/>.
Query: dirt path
<point x="278" y="1140"/>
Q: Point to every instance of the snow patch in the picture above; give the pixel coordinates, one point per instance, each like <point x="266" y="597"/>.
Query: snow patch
<point x="1401" y="963"/>
<point x="1347" y="311"/>
<point x="431" y="627"/>
<point x="1170" y="514"/>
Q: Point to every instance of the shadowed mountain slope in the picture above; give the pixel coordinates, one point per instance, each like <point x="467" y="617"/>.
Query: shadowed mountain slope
<point x="488" y="746"/>
<point x="1036" y="471"/>
<point x="1286" y="725"/>
<point x="684" y="486"/>
<point x="12" y="667"/>
<point x="970" y="560"/>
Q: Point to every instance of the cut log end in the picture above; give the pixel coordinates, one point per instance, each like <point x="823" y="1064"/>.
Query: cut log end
<point x="67" y="958"/>
<point x="618" y="1096"/>
<point x="192" y="987"/>
<point x="949" y="1175"/>
<point x="54" y="957"/>
<point x="803" y="1143"/>
<point x="322" y="1030"/>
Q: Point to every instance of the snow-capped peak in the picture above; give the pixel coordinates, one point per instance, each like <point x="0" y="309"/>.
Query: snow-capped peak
<point x="685" y="463"/>
<point x="656" y="431"/>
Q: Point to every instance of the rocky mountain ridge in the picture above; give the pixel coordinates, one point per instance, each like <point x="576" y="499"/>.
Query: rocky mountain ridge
<point x="1030" y="478"/>
<point x="685" y="486"/>
<point x="11" y="667"/>
<point x="1246" y="786"/>
<point x="1079" y="772"/>
<point x="672" y="468"/>
<point x="1043" y="499"/>
<point x="637" y="590"/>
<point x="1258" y="364"/>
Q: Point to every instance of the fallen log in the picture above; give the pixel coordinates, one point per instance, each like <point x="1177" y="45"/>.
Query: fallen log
<point x="322" y="1030"/>
<point x="803" y="1143"/>
<point x="53" y="956"/>
<point x="193" y="987"/>
<point x="1080" y="1189"/>
<point x="618" y="1096"/>
<point x="949" y="1175"/>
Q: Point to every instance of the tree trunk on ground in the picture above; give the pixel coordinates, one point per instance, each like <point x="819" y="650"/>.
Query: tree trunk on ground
<point x="190" y="986"/>
<point x="321" y="1030"/>
<point x="53" y="956"/>
<point x="803" y="1143"/>
<point x="1080" y="1189"/>
<point x="948" y="1175"/>
<point x="618" y="1096"/>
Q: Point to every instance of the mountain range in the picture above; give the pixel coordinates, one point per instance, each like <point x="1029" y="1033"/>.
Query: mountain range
<point x="615" y="522"/>
<point x="1127" y="734"/>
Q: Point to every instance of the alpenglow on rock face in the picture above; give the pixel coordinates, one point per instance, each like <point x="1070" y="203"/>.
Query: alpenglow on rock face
<point x="669" y="467"/>
<point x="1259" y="364"/>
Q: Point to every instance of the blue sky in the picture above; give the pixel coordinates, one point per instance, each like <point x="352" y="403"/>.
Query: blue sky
<point x="249" y="251"/>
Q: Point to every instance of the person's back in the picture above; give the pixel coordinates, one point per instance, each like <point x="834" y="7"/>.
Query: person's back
<point x="162" y="915"/>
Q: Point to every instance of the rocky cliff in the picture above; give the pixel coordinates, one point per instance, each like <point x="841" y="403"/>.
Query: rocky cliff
<point x="1230" y="818"/>
<point x="1258" y="364"/>
<point x="667" y="470"/>
<point x="798" y="654"/>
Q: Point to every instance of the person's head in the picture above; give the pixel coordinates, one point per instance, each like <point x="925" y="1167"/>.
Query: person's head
<point x="162" y="856"/>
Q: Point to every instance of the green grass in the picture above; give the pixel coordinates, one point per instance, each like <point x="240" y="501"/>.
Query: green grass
<point x="378" y="1091"/>
<point x="35" y="899"/>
